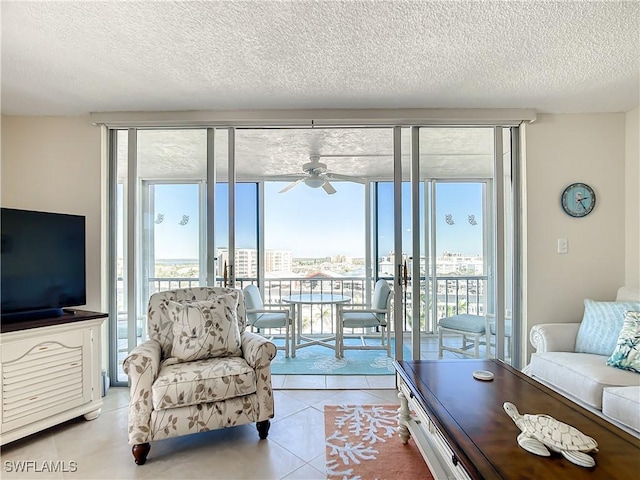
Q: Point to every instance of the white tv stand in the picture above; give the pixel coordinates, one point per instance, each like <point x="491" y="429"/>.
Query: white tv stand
<point x="50" y="372"/>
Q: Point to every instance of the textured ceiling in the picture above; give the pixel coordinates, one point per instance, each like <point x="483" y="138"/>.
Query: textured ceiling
<point x="69" y="58"/>
<point x="279" y="154"/>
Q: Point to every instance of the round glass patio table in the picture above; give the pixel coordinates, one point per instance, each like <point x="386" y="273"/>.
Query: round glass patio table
<point x="300" y="341"/>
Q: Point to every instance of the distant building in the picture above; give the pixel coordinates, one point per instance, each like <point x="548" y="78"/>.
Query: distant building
<point x="246" y="264"/>
<point x="457" y="264"/>
<point x="278" y="260"/>
<point x="447" y="264"/>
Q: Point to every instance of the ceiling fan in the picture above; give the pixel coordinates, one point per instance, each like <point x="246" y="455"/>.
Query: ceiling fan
<point x="316" y="176"/>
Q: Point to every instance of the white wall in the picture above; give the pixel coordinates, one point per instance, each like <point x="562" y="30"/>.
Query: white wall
<point x="562" y="149"/>
<point x="54" y="164"/>
<point x="632" y="202"/>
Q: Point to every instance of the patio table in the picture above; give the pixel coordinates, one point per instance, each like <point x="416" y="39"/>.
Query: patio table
<point x="300" y="341"/>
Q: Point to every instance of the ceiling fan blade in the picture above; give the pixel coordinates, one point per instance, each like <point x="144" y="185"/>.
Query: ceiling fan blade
<point x="327" y="187"/>
<point x="291" y="185"/>
<point x="348" y="178"/>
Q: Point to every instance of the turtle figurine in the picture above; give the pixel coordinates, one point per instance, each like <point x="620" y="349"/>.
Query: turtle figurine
<point x="541" y="433"/>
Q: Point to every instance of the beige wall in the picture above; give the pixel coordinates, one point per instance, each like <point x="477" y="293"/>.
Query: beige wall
<point x="562" y="149"/>
<point x="632" y="202"/>
<point x="54" y="164"/>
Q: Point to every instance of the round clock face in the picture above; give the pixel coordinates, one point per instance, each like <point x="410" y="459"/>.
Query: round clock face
<point x="578" y="200"/>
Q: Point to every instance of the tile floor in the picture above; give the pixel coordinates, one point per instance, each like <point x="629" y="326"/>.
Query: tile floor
<point x="294" y="450"/>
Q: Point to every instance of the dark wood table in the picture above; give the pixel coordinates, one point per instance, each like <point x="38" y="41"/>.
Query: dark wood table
<point x="465" y="420"/>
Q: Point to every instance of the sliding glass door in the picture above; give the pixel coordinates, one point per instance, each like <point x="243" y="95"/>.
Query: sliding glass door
<point x="462" y="260"/>
<point x="159" y="212"/>
<point x="299" y="210"/>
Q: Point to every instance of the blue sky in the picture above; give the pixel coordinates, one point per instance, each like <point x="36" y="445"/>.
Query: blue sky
<point x="310" y="223"/>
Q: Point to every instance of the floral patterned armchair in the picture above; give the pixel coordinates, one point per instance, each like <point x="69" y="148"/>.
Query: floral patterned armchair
<point x="180" y="386"/>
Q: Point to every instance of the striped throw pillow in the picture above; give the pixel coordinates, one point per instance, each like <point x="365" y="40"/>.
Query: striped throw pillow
<point x="601" y="325"/>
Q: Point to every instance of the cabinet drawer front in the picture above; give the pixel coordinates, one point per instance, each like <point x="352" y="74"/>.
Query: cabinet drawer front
<point x="437" y="441"/>
<point x="39" y="347"/>
<point x="42" y="377"/>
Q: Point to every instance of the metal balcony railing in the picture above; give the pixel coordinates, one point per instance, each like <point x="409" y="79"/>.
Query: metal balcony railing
<point x="453" y="295"/>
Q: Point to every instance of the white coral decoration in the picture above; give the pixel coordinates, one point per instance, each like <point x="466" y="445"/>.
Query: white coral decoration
<point x="371" y="424"/>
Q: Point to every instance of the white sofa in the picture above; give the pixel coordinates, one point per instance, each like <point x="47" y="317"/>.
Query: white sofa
<point x="585" y="378"/>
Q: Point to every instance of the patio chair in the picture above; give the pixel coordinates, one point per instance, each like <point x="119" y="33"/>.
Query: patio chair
<point x="377" y="315"/>
<point x="199" y="371"/>
<point x="266" y="317"/>
<point x="471" y="327"/>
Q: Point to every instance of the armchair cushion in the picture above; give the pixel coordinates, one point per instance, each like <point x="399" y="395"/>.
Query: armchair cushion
<point x="205" y="329"/>
<point x="160" y="322"/>
<point x="627" y="352"/>
<point x="202" y="381"/>
<point x="601" y="324"/>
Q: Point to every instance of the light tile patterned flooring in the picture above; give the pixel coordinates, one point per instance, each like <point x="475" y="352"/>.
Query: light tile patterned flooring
<point x="295" y="447"/>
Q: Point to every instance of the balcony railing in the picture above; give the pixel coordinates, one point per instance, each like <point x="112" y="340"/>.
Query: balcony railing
<point x="453" y="294"/>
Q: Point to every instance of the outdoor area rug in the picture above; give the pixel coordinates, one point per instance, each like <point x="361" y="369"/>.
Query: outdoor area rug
<point x="319" y="360"/>
<point x="362" y="443"/>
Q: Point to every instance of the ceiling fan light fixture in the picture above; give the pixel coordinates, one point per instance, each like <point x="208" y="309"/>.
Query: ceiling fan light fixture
<point x="314" y="182"/>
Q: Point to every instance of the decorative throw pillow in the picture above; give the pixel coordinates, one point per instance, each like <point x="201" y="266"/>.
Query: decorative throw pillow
<point x="206" y="329"/>
<point x="601" y="324"/>
<point x="627" y="352"/>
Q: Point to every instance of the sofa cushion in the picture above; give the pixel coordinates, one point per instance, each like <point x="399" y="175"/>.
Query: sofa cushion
<point x="202" y="381"/>
<point x="205" y="329"/>
<point x="601" y="324"/>
<point x="627" y="352"/>
<point x="581" y="375"/>
<point x="622" y="404"/>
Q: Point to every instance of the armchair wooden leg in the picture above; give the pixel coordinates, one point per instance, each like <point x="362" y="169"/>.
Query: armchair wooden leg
<point x="263" y="428"/>
<point x="140" y="452"/>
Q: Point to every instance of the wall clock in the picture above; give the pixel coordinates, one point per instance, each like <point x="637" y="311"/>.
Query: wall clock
<point x="578" y="200"/>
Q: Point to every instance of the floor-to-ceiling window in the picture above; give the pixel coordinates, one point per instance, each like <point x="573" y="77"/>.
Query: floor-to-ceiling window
<point x="158" y="223"/>
<point x="312" y="209"/>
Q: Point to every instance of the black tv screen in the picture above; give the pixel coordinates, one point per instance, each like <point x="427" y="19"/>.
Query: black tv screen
<point x="42" y="263"/>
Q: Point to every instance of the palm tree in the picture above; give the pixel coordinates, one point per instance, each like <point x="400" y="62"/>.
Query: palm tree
<point x="324" y="314"/>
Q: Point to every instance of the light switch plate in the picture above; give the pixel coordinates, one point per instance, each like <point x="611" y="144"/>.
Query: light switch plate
<point x="563" y="245"/>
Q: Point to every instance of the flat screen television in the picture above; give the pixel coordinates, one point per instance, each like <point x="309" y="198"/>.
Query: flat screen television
<point x="42" y="263"/>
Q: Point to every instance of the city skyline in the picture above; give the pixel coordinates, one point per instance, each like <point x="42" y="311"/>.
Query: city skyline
<point x="280" y="263"/>
<point x="304" y="231"/>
